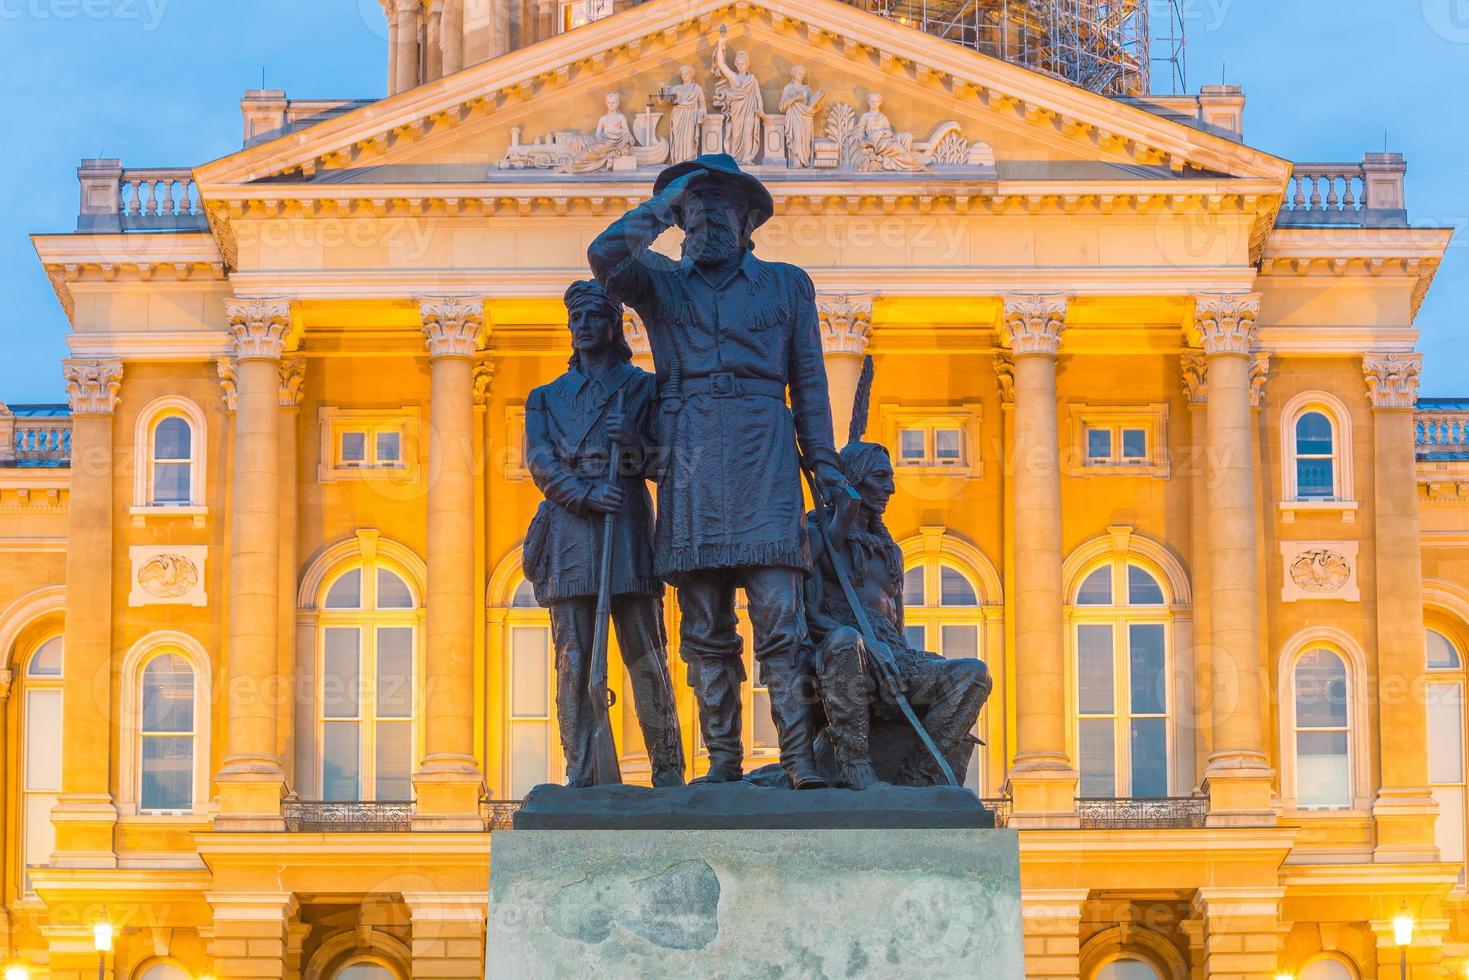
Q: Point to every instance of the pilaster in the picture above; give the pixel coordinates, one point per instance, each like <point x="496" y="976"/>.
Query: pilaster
<point x="449" y="783"/>
<point x="84" y="815"/>
<point x="1052" y="924"/>
<point x="292" y="384"/>
<point x="1042" y="781"/>
<point x="846" y="332"/>
<point x="1241" y="932"/>
<point x="1195" y="374"/>
<point x="448" y="934"/>
<point x="252" y="933"/>
<point x="1404" y="810"/>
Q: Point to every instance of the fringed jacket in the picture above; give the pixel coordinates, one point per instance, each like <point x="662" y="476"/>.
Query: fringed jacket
<point x="726" y="353"/>
<point x="566" y="449"/>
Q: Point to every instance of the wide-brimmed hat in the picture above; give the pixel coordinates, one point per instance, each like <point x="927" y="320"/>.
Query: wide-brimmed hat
<point x="722" y="167"/>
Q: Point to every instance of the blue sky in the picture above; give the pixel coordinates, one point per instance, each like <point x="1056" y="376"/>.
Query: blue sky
<point x="158" y="82"/>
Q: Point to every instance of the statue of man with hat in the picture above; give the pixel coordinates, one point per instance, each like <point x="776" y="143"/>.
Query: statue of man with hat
<point x="732" y="336"/>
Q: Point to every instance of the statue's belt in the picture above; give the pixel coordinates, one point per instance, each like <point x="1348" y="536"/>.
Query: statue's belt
<point x="726" y="385"/>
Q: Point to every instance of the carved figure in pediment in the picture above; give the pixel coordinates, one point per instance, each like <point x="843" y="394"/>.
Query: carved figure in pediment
<point x="883" y="148"/>
<point x="739" y="92"/>
<point x="686" y="116"/>
<point x="800" y="105"/>
<point x="613" y="139"/>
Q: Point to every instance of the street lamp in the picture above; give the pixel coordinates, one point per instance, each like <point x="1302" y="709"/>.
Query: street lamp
<point x="102" y="941"/>
<point x="1402" y="930"/>
<point x="17" y="972"/>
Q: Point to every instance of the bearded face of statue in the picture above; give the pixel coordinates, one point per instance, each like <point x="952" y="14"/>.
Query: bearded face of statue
<point x="713" y="224"/>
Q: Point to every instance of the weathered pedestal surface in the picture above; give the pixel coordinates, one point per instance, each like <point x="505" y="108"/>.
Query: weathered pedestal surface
<point x="894" y="899"/>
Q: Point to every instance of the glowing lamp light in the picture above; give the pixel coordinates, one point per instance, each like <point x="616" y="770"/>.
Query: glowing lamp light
<point x="1285" y="976"/>
<point x="102" y="937"/>
<point x="1402" y="928"/>
<point x="17" y="972"/>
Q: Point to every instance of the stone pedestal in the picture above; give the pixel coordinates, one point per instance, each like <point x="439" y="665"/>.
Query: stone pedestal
<point x="929" y="902"/>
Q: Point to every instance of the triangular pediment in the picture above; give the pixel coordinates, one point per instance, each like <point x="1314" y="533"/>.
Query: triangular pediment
<point x="531" y="117"/>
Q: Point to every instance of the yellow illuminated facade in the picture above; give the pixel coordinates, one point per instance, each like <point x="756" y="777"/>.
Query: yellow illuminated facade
<point x="272" y="677"/>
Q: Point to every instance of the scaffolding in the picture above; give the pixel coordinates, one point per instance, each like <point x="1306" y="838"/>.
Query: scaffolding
<point x="1105" y="46"/>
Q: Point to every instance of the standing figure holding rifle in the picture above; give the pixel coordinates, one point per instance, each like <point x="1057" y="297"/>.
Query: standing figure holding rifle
<point x="732" y="336"/>
<point x="588" y="423"/>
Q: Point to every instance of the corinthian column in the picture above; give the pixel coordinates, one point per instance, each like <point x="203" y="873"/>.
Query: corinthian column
<point x="84" y="816"/>
<point x="451" y="29"/>
<point x="252" y="782"/>
<point x="1238" y="776"/>
<point x="846" y="330"/>
<point x="405" y="40"/>
<point x="449" y="782"/>
<point x="1042" y="779"/>
<point x="1404" y="810"/>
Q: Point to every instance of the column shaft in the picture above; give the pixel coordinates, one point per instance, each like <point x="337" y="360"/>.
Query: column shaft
<point x="85" y="815"/>
<point x="1042" y="780"/>
<point x="252" y="780"/>
<point x="406" y="46"/>
<point x="449" y="782"/>
<point x="452" y="32"/>
<point x="433" y="43"/>
<point x="289" y="393"/>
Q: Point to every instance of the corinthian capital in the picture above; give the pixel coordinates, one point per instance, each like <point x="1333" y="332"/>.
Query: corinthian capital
<point x="1392" y="379"/>
<point x="846" y="323"/>
<point x="635" y="333"/>
<point x="293" y="380"/>
<point x="92" y="385"/>
<point x="452" y="326"/>
<point x="1195" y="377"/>
<point x="1226" y="322"/>
<point x="259" y="327"/>
<point x="1033" y="324"/>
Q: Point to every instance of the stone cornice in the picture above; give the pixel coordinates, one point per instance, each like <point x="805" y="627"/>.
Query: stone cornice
<point x="846" y="323"/>
<point x="293" y="380"/>
<point x="92" y="385"/>
<point x="1392" y="379"/>
<point x="1226" y="323"/>
<point x="1033" y="324"/>
<point x="259" y="327"/>
<point x="453" y="326"/>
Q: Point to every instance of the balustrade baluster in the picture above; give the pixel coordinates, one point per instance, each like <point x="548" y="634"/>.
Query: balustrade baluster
<point x="1350" y="202"/>
<point x="1333" y="200"/>
<point x="167" y="205"/>
<point x="1315" y="192"/>
<point x="152" y="206"/>
<point x="135" y="198"/>
<point x="1298" y="193"/>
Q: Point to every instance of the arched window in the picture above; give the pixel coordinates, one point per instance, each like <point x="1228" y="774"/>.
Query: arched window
<point x="170" y="455"/>
<point x="167" y="729"/>
<point x="1322" y="731"/>
<point x="1122" y="651"/>
<point x="1127" y="969"/>
<point x="367" y="683"/>
<point x="1316" y="453"/>
<point x="1328" y="968"/>
<point x="365" y="970"/>
<point x="534" y="744"/>
<point x="1315" y="457"/>
<point x="41" y="753"/>
<point x="1444" y="701"/>
<point x="942" y="614"/>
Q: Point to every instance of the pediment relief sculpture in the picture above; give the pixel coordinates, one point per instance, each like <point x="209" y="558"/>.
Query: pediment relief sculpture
<point x="804" y="133"/>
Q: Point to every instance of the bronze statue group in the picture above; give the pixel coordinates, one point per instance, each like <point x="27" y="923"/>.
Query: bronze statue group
<point x="735" y="417"/>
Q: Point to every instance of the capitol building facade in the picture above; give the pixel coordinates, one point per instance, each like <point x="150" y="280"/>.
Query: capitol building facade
<point x="273" y="677"/>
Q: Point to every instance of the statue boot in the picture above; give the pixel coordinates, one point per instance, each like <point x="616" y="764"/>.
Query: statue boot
<point x="716" y="682"/>
<point x="791" y="711"/>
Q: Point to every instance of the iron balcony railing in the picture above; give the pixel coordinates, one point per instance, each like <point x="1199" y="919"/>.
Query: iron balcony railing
<point x="498" y="814"/>
<point x="1143" y="813"/>
<point x="342" y="817"/>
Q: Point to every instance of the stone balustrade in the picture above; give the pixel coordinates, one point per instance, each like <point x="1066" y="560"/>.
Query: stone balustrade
<point x="1442" y="427"/>
<point x="160" y="199"/>
<point x="1370" y="193"/>
<point x="35" y="435"/>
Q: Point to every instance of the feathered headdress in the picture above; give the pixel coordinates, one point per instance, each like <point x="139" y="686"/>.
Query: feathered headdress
<point x="861" y="402"/>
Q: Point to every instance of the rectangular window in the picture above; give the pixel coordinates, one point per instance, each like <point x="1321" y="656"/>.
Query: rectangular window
<point x="168" y="773"/>
<point x="341" y="682"/>
<point x="1149" y="757"/>
<point x="938" y="438"/>
<point x="1134" y="444"/>
<point x="913" y="446"/>
<point x="1445" y="733"/>
<point x="394" y="760"/>
<point x="359" y="444"/>
<point x="1315" y="479"/>
<point x="395" y="672"/>
<point x="947" y="446"/>
<point x="1094" y="670"/>
<point x="1099" y="445"/>
<point x="1098" y="758"/>
<point x="171" y="483"/>
<point x="1115" y="445"/>
<point x="530" y="709"/>
<point x="1322" y="778"/>
<point x="1146" y="673"/>
<point x="1126" y="440"/>
<point x="341" y="761"/>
